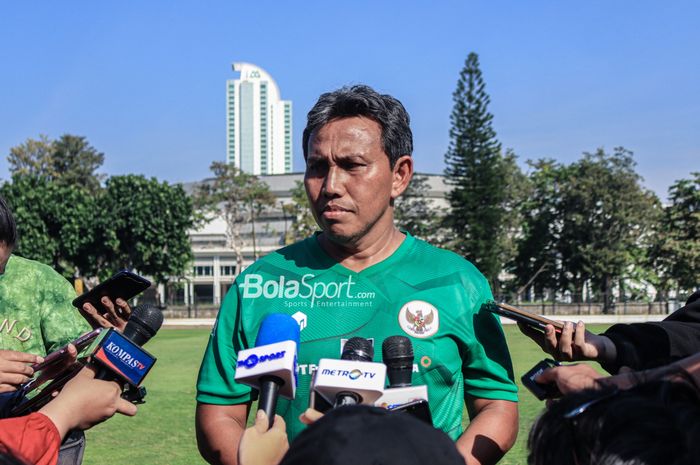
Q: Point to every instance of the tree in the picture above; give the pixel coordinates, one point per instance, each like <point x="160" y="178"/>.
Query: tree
<point x="537" y="260"/>
<point x="56" y="223"/>
<point x="414" y="212"/>
<point x="240" y="197"/>
<point x="475" y="167"/>
<point x="32" y="158"/>
<point x="148" y="223"/>
<point x="590" y="222"/>
<point x="676" y="254"/>
<point x="303" y="222"/>
<point x="68" y="161"/>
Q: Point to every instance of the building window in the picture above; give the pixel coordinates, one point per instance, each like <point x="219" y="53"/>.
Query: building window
<point x="228" y="270"/>
<point x="206" y="270"/>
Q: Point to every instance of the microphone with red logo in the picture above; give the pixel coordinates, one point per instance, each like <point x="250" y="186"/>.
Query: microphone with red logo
<point x="271" y="366"/>
<point x="120" y="356"/>
<point x="117" y="356"/>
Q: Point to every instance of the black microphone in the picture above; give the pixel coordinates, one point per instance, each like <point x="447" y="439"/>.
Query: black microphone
<point x="116" y="356"/>
<point x="120" y="355"/>
<point x="357" y="349"/>
<point x="143" y="324"/>
<point x="354" y="379"/>
<point x="397" y="354"/>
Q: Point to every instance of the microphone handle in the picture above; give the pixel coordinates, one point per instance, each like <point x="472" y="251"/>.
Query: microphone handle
<point x="269" y="392"/>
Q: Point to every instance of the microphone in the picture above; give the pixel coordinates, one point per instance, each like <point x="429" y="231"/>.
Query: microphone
<point x="120" y="354"/>
<point x="271" y="366"/>
<point x="397" y="354"/>
<point x="117" y="356"/>
<point x="354" y="379"/>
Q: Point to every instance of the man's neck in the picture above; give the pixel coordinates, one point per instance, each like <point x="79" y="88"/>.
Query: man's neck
<point x="366" y="252"/>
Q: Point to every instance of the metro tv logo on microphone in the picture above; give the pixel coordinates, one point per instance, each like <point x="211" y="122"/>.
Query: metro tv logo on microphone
<point x="124" y="358"/>
<point x="352" y="374"/>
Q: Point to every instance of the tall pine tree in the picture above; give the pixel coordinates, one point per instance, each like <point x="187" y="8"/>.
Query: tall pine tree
<point x="482" y="178"/>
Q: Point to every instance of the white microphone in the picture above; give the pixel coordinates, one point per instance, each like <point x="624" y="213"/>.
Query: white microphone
<point x="352" y="380"/>
<point x="271" y="365"/>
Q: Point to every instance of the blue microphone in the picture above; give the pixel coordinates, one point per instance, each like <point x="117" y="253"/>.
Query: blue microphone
<point x="270" y="366"/>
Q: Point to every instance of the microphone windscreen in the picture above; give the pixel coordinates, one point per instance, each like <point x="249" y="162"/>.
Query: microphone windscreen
<point x="358" y="349"/>
<point x="397" y="350"/>
<point x="277" y="327"/>
<point x="397" y="355"/>
<point x="143" y="324"/>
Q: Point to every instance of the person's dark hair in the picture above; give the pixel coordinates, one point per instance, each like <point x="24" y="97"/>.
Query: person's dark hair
<point x="652" y="424"/>
<point x="361" y="100"/>
<point x="360" y="434"/>
<point x="8" y="228"/>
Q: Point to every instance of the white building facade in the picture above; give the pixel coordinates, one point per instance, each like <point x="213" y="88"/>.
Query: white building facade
<point x="258" y="123"/>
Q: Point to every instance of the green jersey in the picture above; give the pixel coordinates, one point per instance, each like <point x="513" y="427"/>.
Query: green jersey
<point x="36" y="315"/>
<point x="430" y="295"/>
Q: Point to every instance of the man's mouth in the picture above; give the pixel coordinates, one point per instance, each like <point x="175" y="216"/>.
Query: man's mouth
<point x="333" y="211"/>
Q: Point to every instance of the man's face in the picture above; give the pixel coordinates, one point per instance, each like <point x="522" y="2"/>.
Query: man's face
<point x="5" y="252"/>
<point x="348" y="179"/>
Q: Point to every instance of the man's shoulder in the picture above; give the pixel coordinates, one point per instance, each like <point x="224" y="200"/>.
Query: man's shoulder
<point x="441" y="260"/>
<point x="25" y="266"/>
<point x="294" y="256"/>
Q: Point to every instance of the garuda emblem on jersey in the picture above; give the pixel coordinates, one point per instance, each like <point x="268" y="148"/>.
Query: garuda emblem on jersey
<point x="419" y="319"/>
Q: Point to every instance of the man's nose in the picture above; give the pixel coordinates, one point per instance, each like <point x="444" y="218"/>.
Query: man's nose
<point x="333" y="183"/>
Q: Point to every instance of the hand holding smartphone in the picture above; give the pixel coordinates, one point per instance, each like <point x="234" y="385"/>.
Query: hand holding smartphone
<point x="123" y="285"/>
<point x="523" y="316"/>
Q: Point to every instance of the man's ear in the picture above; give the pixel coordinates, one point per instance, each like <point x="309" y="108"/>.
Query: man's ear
<point x="401" y="175"/>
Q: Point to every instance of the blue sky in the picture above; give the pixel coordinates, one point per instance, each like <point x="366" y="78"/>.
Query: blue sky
<point x="145" y="81"/>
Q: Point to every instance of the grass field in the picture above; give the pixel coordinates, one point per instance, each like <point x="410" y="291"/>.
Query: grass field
<point x="163" y="431"/>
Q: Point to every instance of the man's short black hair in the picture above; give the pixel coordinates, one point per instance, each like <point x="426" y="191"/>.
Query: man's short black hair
<point x="8" y="228"/>
<point x="361" y="100"/>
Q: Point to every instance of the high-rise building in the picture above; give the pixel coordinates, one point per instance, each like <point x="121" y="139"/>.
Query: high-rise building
<point x="258" y="123"/>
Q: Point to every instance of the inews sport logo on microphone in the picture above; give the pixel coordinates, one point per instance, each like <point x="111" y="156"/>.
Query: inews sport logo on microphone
<point x="123" y="357"/>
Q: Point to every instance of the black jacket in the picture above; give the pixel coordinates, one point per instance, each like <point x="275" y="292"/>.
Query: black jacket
<point x="648" y="345"/>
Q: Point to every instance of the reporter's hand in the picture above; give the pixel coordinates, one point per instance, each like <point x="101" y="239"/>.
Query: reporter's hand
<point x="54" y="369"/>
<point x="15" y="368"/>
<point x="571" y="378"/>
<point x="84" y="402"/>
<point x="574" y="342"/>
<point x="260" y="446"/>
<point x="310" y="416"/>
<point x="115" y="316"/>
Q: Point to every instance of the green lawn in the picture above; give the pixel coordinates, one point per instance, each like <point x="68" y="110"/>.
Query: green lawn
<point x="163" y="431"/>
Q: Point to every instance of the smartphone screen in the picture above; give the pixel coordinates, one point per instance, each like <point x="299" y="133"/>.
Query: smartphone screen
<point x="59" y="355"/>
<point x="123" y="284"/>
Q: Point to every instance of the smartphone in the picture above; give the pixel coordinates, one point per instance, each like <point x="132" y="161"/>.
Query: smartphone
<point x="123" y="285"/>
<point x="524" y="316"/>
<point x="418" y="408"/>
<point x="59" y="355"/>
<point x="540" y="390"/>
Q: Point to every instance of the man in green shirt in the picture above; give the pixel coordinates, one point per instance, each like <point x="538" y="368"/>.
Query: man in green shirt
<point x="361" y="276"/>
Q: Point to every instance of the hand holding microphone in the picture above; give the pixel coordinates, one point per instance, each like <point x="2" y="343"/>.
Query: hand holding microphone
<point x="270" y="366"/>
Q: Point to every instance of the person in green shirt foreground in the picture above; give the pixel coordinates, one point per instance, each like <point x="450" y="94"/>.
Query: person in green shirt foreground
<point x="361" y="276"/>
